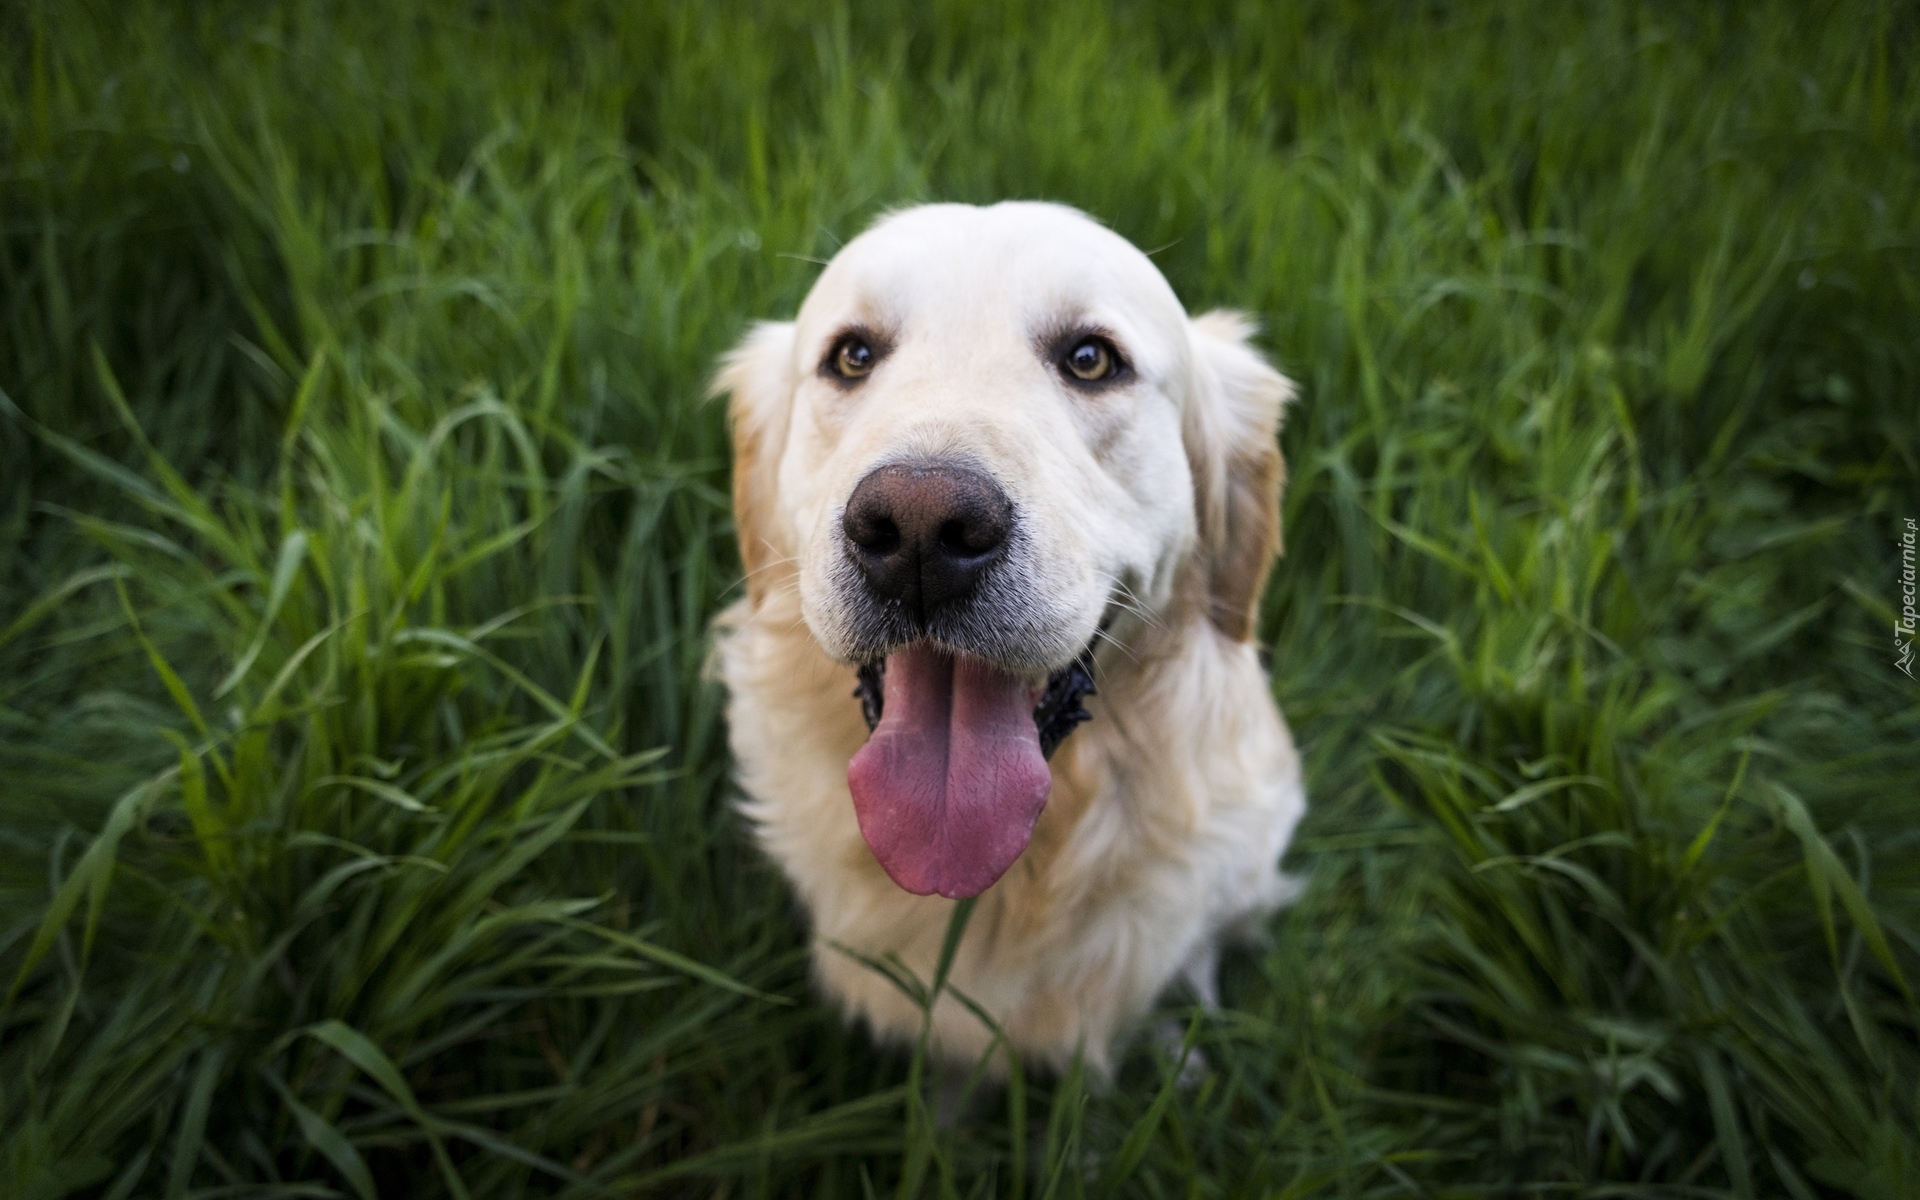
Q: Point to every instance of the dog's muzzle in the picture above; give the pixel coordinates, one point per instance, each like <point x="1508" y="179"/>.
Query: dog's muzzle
<point x="954" y="772"/>
<point x="923" y="535"/>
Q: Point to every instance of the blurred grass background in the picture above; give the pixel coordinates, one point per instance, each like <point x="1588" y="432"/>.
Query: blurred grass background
<point x="364" y="820"/>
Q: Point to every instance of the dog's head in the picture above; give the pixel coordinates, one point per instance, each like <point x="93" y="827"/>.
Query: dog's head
<point x="989" y="435"/>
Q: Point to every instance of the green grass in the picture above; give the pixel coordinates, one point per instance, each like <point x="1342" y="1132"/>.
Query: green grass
<point x="364" y="820"/>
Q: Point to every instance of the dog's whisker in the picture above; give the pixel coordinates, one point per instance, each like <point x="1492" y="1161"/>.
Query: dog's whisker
<point x="773" y="564"/>
<point x="1126" y="600"/>
<point x="1102" y="635"/>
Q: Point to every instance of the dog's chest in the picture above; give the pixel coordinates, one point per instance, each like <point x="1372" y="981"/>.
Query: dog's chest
<point x="1165" y="822"/>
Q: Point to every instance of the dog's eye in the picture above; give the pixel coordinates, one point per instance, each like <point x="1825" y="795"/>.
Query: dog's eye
<point x="851" y="358"/>
<point x="1092" y="360"/>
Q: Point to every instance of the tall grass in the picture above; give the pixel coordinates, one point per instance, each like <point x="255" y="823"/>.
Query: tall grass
<point x="364" y="801"/>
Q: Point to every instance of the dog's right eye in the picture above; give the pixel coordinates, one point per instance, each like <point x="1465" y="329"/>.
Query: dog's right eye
<point x="852" y="358"/>
<point x="1092" y="362"/>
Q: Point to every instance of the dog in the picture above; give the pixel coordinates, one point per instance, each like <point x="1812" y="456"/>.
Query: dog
<point x="1006" y="513"/>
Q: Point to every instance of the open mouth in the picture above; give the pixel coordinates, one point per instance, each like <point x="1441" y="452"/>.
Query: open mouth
<point x="1056" y="714"/>
<point x="949" y="785"/>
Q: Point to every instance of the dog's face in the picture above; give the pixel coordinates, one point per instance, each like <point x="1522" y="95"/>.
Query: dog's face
<point x="1030" y="365"/>
<point x="990" y="433"/>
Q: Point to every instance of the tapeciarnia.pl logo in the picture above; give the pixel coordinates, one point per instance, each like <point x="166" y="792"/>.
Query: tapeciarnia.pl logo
<point x="1903" y="625"/>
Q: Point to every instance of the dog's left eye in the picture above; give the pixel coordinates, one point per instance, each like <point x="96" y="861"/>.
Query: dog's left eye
<point x="852" y="357"/>
<point x="1092" y="360"/>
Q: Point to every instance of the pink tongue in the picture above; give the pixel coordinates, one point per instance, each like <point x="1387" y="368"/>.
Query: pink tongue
<point x="948" y="787"/>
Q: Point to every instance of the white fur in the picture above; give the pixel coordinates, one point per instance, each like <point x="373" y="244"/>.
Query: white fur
<point x="1171" y="808"/>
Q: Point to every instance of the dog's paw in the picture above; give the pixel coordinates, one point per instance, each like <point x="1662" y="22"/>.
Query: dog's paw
<point x="1169" y="1040"/>
<point x="956" y="1096"/>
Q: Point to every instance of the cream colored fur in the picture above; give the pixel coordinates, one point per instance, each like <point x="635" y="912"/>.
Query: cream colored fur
<point x="1152" y="506"/>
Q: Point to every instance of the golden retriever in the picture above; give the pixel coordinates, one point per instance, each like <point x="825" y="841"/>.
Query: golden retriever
<point x="999" y="498"/>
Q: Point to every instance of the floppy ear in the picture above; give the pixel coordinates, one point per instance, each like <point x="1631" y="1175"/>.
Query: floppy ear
<point x="757" y="378"/>
<point x="1232" y="428"/>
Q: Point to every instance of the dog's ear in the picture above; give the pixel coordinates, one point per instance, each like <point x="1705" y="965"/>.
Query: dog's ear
<point x="756" y="376"/>
<point x="1232" y="427"/>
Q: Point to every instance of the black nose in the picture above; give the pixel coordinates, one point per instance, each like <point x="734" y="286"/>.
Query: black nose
<point x="922" y="534"/>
